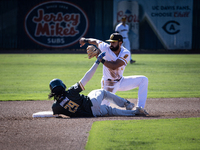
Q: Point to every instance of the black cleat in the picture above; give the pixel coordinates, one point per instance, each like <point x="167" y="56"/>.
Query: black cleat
<point x="132" y="61"/>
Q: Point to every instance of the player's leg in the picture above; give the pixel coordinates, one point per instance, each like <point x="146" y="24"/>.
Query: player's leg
<point x="121" y="102"/>
<point x="110" y="86"/>
<point x="126" y="44"/>
<point x="100" y="95"/>
<point x="97" y="96"/>
<point x="107" y="110"/>
<point x="131" y="82"/>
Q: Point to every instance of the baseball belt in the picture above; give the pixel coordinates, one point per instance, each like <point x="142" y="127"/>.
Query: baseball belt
<point x="114" y="80"/>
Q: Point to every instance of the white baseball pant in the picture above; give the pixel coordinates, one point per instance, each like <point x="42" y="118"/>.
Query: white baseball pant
<point x="97" y="96"/>
<point x="126" y="44"/>
<point x="125" y="84"/>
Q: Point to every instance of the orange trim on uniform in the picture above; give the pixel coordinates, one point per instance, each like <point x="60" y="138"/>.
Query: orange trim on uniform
<point x="81" y="85"/>
<point x="123" y="59"/>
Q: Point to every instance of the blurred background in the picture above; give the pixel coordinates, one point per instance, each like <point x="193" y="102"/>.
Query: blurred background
<point x="56" y="26"/>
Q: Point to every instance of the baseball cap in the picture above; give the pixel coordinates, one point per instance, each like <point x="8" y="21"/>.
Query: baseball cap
<point x="124" y="18"/>
<point x="115" y="37"/>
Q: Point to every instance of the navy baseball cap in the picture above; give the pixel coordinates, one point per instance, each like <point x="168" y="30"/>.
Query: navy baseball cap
<point x="124" y="18"/>
<point x="115" y="37"/>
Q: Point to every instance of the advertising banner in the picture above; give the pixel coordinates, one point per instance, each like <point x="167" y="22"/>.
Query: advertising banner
<point x="170" y="21"/>
<point x="53" y="24"/>
<point x="56" y="24"/>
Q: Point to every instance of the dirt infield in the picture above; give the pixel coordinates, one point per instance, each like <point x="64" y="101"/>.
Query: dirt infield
<point x="20" y="131"/>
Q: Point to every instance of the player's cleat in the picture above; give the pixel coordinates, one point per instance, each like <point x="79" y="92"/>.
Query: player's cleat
<point x="132" y="61"/>
<point x="129" y="105"/>
<point x="141" y="111"/>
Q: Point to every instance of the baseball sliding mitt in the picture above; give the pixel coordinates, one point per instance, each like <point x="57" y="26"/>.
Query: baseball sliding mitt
<point x="92" y="51"/>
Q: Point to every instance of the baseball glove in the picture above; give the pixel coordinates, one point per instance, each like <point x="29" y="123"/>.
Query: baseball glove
<point x="92" y="51"/>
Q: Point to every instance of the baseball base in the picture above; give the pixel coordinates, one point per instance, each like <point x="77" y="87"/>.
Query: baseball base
<point x="43" y="114"/>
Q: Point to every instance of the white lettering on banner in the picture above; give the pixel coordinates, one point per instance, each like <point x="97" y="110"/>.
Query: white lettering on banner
<point x="55" y="40"/>
<point x="58" y="17"/>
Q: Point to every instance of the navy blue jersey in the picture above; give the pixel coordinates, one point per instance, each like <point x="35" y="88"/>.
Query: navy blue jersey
<point x="74" y="104"/>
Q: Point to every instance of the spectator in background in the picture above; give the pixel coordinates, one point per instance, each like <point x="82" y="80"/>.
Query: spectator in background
<point x="123" y="29"/>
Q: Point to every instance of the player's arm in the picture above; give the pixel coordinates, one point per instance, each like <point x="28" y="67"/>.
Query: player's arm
<point x="117" y="29"/>
<point x="113" y="64"/>
<point x="92" y="70"/>
<point x="123" y="59"/>
<point x="92" y="41"/>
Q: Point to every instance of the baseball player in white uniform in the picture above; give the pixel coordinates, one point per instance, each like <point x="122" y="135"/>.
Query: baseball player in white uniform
<point x="123" y="29"/>
<point x="116" y="59"/>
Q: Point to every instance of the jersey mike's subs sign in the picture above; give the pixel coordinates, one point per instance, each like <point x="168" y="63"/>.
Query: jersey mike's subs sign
<point x="56" y="24"/>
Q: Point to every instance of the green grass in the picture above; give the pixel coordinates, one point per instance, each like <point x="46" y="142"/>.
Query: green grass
<point x="161" y="134"/>
<point x="27" y="76"/>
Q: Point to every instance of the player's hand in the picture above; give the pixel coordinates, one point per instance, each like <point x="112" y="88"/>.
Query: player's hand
<point x="92" y="51"/>
<point x="81" y="41"/>
<point x="100" y="57"/>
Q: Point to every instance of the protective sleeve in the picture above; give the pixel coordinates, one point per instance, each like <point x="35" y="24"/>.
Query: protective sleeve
<point x="88" y="75"/>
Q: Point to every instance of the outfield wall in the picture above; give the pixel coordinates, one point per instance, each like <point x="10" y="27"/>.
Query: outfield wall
<point x="58" y="25"/>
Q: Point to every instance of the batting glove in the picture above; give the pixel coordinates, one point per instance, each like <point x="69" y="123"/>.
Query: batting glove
<point x="100" y="57"/>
